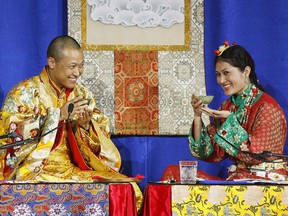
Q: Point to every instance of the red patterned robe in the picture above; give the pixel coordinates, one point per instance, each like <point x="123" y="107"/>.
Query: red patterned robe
<point x="257" y="124"/>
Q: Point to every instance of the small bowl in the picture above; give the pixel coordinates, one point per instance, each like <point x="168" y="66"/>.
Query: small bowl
<point x="206" y="99"/>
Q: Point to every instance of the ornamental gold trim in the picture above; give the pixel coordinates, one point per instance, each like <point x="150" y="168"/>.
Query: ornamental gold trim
<point x="185" y="47"/>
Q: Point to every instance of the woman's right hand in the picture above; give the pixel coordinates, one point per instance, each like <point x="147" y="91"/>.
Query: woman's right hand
<point x="197" y="122"/>
<point x="197" y="105"/>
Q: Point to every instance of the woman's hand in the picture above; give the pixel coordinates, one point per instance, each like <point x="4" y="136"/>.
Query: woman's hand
<point x="197" y="122"/>
<point x="215" y="113"/>
<point x="197" y="105"/>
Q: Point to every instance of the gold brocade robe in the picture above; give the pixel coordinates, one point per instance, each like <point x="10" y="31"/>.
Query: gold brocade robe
<point x="32" y="107"/>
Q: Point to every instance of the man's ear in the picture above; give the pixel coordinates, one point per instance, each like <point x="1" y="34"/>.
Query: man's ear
<point x="51" y="62"/>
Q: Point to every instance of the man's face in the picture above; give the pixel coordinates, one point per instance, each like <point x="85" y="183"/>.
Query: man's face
<point x="68" y="69"/>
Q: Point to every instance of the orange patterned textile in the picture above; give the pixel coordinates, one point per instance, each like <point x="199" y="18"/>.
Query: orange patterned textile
<point x="136" y="92"/>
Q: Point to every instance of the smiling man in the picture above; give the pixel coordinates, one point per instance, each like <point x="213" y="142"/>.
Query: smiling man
<point x="80" y="148"/>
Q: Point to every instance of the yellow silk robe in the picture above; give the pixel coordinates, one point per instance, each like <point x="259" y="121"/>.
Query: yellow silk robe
<point x="33" y="107"/>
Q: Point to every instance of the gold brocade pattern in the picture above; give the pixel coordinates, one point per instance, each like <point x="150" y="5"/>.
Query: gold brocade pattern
<point x="59" y="167"/>
<point x="136" y="93"/>
<point x="40" y="103"/>
<point x="43" y="161"/>
<point x="229" y="200"/>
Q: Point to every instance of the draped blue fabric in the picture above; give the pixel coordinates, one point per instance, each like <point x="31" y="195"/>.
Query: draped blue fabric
<point x="150" y="155"/>
<point x="27" y="27"/>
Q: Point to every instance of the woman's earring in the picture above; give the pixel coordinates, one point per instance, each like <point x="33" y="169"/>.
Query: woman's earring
<point x="246" y="80"/>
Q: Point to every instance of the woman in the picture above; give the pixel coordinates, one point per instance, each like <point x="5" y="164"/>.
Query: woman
<point x="247" y="125"/>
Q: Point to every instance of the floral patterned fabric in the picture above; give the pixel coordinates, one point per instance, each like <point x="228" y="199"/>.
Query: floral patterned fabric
<point x="136" y="93"/>
<point x="229" y="200"/>
<point x="54" y="199"/>
<point x="257" y="124"/>
<point x="39" y="99"/>
<point x="68" y="154"/>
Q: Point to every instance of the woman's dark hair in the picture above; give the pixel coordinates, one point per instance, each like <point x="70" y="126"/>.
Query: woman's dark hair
<point x="237" y="56"/>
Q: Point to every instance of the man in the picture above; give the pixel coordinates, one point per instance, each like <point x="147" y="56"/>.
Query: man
<point x="80" y="148"/>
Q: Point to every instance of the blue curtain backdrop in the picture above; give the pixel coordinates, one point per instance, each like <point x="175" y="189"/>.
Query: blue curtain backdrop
<point x="28" y="26"/>
<point x="261" y="26"/>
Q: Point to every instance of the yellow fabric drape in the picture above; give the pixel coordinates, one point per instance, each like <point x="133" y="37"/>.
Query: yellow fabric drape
<point x="36" y="99"/>
<point x="229" y="200"/>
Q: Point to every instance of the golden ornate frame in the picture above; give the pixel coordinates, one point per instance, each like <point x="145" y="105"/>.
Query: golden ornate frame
<point x="185" y="47"/>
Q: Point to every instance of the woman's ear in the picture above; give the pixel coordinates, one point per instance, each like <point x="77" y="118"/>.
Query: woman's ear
<point x="247" y="71"/>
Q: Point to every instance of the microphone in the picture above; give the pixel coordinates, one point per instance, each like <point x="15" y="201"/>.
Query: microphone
<point x="270" y="154"/>
<point x="257" y="156"/>
<point x="264" y="155"/>
<point x="70" y="110"/>
<point x="10" y="135"/>
<point x="18" y="143"/>
<point x="26" y="141"/>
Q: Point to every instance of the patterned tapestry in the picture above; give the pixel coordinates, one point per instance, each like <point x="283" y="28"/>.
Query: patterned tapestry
<point x="166" y="88"/>
<point x="22" y="199"/>
<point x="136" y="92"/>
<point x="248" y="200"/>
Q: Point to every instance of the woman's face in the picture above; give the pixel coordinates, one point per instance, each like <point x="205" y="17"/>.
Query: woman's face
<point x="231" y="79"/>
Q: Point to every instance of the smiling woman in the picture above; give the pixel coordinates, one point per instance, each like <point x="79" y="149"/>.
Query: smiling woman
<point x="246" y="125"/>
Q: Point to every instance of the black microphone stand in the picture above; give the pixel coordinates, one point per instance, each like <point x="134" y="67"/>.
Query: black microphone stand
<point x="264" y="155"/>
<point x="271" y="154"/>
<point x="257" y="156"/>
<point x="10" y="135"/>
<point x="29" y="140"/>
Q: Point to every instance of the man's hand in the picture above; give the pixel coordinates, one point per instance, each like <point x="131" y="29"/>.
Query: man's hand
<point x="84" y="119"/>
<point x="80" y="108"/>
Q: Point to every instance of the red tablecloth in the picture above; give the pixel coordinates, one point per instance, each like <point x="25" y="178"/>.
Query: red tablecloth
<point x="157" y="200"/>
<point x="122" y="200"/>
